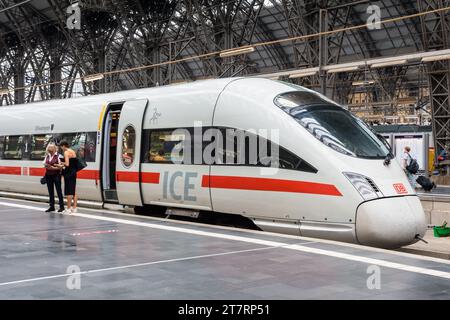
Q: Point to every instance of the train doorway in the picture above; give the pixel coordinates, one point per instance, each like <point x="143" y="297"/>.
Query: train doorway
<point x="128" y="164"/>
<point x="109" y="158"/>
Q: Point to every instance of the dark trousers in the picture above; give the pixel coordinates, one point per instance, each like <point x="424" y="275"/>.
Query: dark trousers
<point x="54" y="181"/>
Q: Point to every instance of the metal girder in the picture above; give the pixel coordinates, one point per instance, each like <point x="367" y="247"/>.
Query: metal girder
<point x="122" y="34"/>
<point x="320" y="16"/>
<point x="435" y="33"/>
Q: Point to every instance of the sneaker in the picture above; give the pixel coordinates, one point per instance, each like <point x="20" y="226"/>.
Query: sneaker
<point x="50" y="210"/>
<point x="74" y="210"/>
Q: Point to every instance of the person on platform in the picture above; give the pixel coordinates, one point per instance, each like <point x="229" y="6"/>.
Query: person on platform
<point x="70" y="176"/>
<point x="406" y="161"/>
<point x="53" y="177"/>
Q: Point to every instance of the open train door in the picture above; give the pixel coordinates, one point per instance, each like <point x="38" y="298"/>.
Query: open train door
<point x="128" y="165"/>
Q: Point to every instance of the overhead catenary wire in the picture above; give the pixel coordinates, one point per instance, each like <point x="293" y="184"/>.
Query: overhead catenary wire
<point x="14" y="6"/>
<point x="255" y="45"/>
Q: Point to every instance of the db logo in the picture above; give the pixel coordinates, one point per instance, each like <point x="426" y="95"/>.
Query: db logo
<point x="400" y="188"/>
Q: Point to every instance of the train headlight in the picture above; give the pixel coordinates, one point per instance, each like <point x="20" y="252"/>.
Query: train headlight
<point x="364" y="185"/>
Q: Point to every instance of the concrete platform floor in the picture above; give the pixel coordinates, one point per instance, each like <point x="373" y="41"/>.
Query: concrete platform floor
<point x="120" y="256"/>
<point x="436" y="247"/>
<point x="439" y="191"/>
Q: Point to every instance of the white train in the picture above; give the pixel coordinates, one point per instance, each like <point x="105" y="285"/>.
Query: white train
<point x="332" y="181"/>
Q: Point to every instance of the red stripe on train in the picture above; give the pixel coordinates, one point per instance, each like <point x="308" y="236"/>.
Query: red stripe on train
<point x="265" y="184"/>
<point x="124" y="176"/>
<point x="88" y="175"/>
<point x="11" y="170"/>
<point x="37" y="172"/>
<point x="218" y="182"/>
<point x="146" y="177"/>
<point x="83" y="175"/>
<point x="150" y="177"/>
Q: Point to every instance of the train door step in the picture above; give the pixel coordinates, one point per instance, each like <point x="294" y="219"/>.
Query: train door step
<point x="111" y="196"/>
<point x="182" y="212"/>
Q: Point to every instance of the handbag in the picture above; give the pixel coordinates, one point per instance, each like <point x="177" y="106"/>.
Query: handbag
<point x="81" y="164"/>
<point x="44" y="178"/>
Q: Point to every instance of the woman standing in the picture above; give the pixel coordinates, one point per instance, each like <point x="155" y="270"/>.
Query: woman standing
<point x="53" y="177"/>
<point x="70" y="176"/>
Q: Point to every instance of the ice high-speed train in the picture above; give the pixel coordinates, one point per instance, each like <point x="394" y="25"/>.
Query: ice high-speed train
<point x="332" y="179"/>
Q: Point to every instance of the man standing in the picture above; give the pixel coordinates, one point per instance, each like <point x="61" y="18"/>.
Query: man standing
<point x="406" y="161"/>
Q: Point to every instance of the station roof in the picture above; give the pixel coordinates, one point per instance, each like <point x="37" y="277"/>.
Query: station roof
<point x="189" y="28"/>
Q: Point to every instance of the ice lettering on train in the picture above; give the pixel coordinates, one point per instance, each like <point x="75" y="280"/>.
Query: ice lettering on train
<point x="169" y="182"/>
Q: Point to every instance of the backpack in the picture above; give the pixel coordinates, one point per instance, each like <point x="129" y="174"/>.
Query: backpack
<point x="413" y="166"/>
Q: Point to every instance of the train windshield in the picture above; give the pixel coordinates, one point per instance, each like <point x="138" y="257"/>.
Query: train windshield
<point x="335" y="126"/>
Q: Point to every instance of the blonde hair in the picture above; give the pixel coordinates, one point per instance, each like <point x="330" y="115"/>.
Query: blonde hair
<point x="50" y="145"/>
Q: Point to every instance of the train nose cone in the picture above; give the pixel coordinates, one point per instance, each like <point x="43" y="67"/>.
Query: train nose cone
<point x="390" y="222"/>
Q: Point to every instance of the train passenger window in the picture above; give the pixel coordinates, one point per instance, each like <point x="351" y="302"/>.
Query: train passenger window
<point x="78" y="144"/>
<point x="38" y="146"/>
<point x="14" y="147"/>
<point x="248" y="149"/>
<point x="84" y="144"/>
<point x="1" y="146"/>
<point x="128" y="146"/>
<point x="90" y="147"/>
<point x="220" y="146"/>
<point x="166" y="146"/>
<point x="69" y="137"/>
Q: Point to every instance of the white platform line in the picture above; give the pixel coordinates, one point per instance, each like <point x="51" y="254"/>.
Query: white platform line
<point x="2" y="284"/>
<point x="329" y="253"/>
<point x="258" y="233"/>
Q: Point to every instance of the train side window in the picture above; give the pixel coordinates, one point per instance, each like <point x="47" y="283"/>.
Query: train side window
<point x="68" y="137"/>
<point x="128" y="146"/>
<point x="90" y="147"/>
<point x="166" y="146"/>
<point x="78" y="142"/>
<point x="248" y="149"/>
<point x="237" y="147"/>
<point x="286" y="159"/>
<point x="38" y="146"/>
<point x="1" y="147"/>
<point x="14" y="147"/>
<point x="84" y="144"/>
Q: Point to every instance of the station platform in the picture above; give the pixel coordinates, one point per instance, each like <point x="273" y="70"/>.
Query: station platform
<point x="123" y="256"/>
<point x="439" y="191"/>
<point x="436" y="205"/>
<point x="434" y="247"/>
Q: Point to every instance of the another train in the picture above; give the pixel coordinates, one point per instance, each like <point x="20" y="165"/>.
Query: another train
<point x="285" y="157"/>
